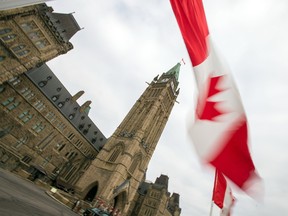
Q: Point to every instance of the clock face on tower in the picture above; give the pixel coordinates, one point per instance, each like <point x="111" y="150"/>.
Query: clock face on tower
<point x="164" y="80"/>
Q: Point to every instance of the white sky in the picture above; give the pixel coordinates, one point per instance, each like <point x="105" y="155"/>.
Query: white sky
<point x="127" y="42"/>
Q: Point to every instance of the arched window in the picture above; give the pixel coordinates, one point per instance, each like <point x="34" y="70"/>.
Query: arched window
<point x="8" y="37"/>
<point x="17" y="48"/>
<point x="23" y="52"/>
<point x="21" y="142"/>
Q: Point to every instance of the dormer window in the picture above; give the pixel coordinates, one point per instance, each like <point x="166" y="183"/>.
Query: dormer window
<point x="55" y="98"/>
<point x="60" y="104"/>
<point x="42" y="83"/>
<point x="71" y="116"/>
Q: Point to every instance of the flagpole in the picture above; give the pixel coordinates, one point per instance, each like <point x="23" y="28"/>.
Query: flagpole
<point x="211" y="208"/>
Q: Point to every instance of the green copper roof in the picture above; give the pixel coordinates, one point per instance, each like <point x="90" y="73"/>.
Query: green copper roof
<point x="175" y="71"/>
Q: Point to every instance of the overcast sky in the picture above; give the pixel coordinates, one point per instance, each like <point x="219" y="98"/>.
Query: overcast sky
<point x="126" y="43"/>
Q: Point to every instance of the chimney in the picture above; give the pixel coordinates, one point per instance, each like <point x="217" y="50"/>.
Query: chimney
<point x="77" y="96"/>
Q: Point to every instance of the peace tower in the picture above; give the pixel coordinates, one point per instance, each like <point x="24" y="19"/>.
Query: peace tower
<point x="119" y="168"/>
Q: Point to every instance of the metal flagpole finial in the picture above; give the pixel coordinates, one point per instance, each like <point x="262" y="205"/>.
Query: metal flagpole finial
<point x="182" y="60"/>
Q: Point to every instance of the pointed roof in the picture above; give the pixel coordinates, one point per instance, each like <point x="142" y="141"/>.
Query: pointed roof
<point x="174" y="71"/>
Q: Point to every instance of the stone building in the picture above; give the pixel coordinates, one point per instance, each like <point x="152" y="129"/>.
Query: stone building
<point x="153" y="199"/>
<point x="44" y="133"/>
<point x="116" y="173"/>
<point x="32" y="35"/>
<point x="46" y="136"/>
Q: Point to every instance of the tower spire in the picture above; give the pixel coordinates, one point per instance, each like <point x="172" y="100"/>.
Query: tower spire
<point x="174" y="71"/>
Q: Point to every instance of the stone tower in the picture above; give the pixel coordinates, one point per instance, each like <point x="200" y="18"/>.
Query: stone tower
<point x="114" y="176"/>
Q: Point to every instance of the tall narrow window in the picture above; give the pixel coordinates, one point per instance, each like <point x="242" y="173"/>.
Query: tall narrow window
<point x="113" y="157"/>
<point x="71" y="136"/>
<point x="59" y="146"/>
<point x="134" y="164"/>
<point x="70" y="173"/>
<point x="26" y="159"/>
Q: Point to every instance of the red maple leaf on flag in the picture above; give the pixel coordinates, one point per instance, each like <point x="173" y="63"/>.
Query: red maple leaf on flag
<point x="207" y="109"/>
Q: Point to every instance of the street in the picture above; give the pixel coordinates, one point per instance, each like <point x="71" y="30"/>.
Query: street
<point x="19" y="197"/>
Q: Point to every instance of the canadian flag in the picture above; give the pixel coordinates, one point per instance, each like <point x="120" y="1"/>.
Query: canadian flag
<point x="220" y="131"/>
<point x="222" y="194"/>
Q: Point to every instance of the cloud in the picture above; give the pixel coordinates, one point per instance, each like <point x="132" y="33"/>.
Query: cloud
<point x="125" y="43"/>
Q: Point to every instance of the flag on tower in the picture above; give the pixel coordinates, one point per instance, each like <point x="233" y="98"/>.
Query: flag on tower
<point x="220" y="129"/>
<point x="222" y="194"/>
